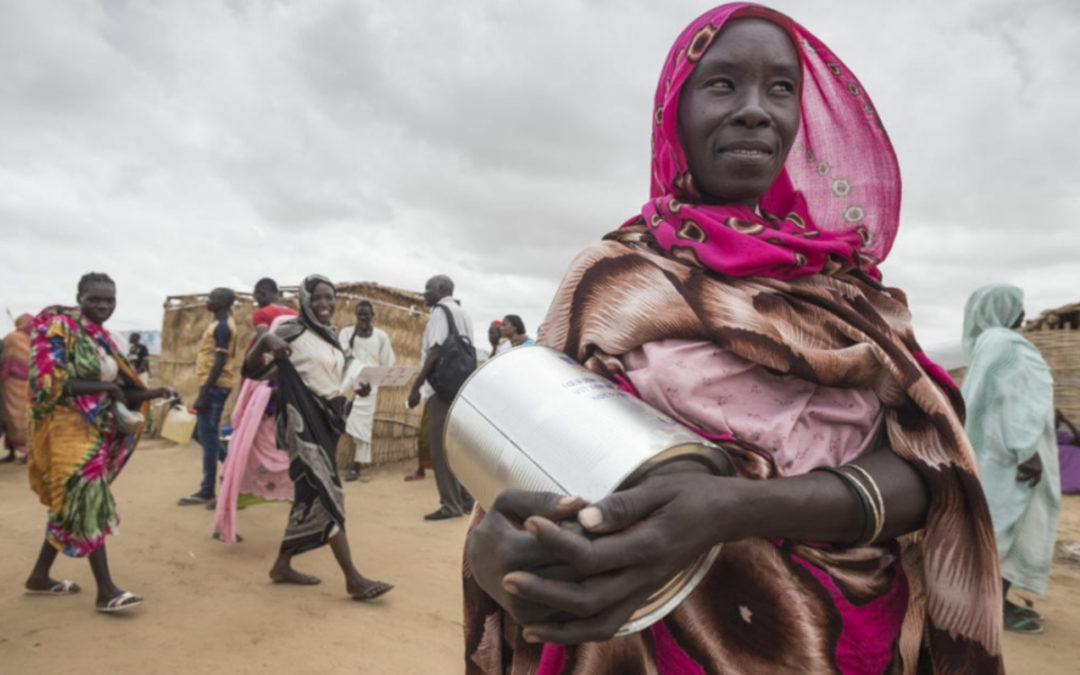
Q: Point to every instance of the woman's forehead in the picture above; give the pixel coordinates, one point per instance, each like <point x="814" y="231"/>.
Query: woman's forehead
<point x="752" y="38"/>
<point x="99" y="289"/>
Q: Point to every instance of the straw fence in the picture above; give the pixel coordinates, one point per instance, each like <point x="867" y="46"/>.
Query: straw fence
<point x="1056" y="333"/>
<point x="1061" y="350"/>
<point x="400" y="313"/>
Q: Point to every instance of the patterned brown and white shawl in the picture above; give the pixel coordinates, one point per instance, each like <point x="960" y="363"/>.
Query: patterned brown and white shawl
<point x="841" y="329"/>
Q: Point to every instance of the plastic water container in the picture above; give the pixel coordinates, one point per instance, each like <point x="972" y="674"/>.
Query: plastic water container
<point x="179" y="425"/>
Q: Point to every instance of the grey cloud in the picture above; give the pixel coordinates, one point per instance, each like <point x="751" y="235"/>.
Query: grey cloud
<point x="213" y="143"/>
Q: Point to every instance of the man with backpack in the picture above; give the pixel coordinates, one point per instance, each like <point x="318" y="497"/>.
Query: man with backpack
<point x="447" y="357"/>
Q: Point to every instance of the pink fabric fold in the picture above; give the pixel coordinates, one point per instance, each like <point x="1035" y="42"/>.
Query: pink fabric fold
<point x="800" y="424"/>
<point x="254" y="464"/>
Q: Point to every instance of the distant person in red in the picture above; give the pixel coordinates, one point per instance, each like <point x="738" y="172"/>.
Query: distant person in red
<point x="495" y="337"/>
<point x="268" y="298"/>
<point x="255" y="467"/>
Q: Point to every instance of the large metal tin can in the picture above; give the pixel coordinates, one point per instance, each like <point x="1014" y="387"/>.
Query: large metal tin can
<point x="534" y="419"/>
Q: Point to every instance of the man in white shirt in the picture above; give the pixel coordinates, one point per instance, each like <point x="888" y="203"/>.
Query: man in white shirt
<point x="438" y="293"/>
<point x="368" y="346"/>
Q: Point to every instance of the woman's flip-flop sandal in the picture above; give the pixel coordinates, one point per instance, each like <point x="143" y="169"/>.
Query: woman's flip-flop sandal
<point x="1023" y="624"/>
<point x="377" y="589"/>
<point x="1028" y="610"/>
<point x="63" y="587"/>
<point x="125" y="600"/>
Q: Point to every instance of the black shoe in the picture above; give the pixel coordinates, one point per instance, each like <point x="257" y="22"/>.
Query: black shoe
<point x="442" y="514"/>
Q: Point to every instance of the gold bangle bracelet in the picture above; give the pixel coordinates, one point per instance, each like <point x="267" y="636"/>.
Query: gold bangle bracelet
<point x="875" y="508"/>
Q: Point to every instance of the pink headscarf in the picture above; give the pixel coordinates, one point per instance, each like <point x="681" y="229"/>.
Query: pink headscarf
<point x="836" y="200"/>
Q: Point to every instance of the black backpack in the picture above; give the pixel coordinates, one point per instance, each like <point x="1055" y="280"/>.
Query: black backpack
<point x="457" y="360"/>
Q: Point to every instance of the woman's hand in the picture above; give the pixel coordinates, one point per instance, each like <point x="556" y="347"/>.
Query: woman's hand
<point x="499" y="546"/>
<point x="168" y="393"/>
<point x="1030" y="472"/>
<point x="649" y="534"/>
<point x="276" y="346"/>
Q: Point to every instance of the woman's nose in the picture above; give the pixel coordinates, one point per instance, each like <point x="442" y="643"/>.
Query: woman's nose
<point x="750" y="112"/>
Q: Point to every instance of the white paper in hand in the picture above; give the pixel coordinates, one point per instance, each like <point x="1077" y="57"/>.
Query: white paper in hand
<point x="386" y="376"/>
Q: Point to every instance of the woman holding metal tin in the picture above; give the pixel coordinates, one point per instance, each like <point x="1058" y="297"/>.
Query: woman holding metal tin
<point x="855" y="536"/>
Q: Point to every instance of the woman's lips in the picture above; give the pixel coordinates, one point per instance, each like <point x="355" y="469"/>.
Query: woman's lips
<point x="743" y="153"/>
<point x="747" y="149"/>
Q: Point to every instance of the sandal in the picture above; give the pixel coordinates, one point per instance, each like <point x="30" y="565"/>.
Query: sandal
<point x="352" y="475"/>
<point x="121" y="602"/>
<point x="415" y="475"/>
<point x="1018" y="622"/>
<point x="1028" y="610"/>
<point x="377" y="589"/>
<point x="62" y="587"/>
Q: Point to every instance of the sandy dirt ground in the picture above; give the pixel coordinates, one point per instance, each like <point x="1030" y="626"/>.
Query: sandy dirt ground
<point x="210" y="606"/>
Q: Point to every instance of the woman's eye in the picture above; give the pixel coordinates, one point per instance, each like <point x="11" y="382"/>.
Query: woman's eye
<point x="719" y="83"/>
<point x="784" y="87"/>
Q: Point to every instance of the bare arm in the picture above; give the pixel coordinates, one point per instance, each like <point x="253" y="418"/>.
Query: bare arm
<point x="83" y="387"/>
<point x="642" y="536"/>
<point x="422" y="376"/>
<point x="268" y="343"/>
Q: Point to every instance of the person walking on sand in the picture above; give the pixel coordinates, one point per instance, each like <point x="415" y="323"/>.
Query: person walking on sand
<point x="423" y="448"/>
<point x="454" y="500"/>
<point x="307" y="361"/>
<point x="367" y="346"/>
<point x="14" y="371"/>
<point x="1009" y="394"/>
<point x="215" y="368"/>
<point x="255" y="468"/>
<point x="138" y="354"/>
<point x="82" y="435"/>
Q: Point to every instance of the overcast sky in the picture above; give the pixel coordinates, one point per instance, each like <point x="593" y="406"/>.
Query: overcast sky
<point x="180" y="146"/>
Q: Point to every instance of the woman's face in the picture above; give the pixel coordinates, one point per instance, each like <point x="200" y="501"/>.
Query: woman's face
<point x="494" y="333"/>
<point x="739" y="111"/>
<point x="98" y="301"/>
<point x="323" y="303"/>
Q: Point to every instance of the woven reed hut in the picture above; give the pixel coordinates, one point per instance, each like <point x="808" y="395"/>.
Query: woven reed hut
<point x="1056" y="332"/>
<point x="402" y="314"/>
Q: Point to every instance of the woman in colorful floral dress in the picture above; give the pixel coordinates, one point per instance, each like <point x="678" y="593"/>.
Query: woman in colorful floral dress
<point x="81" y="435"/>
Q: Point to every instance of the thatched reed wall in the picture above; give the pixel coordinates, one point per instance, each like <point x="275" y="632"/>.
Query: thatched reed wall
<point x="400" y="313"/>
<point x="1056" y="332"/>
